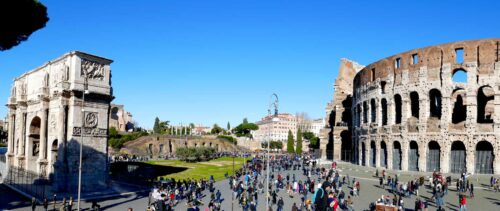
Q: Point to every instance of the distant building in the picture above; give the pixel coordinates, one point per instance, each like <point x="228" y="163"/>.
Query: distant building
<point x="200" y="130"/>
<point x="120" y="119"/>
<point x="275" y="130"/>
<point x="313" y="126"/>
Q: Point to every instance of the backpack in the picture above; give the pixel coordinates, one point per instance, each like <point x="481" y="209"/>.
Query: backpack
<point x="316" y="194"/>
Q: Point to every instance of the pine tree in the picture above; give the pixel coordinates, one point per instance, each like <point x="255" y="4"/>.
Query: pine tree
<point x="156" y="127"/>
<point x="289" y="145"/>
<point x="298" y="149"/>
<point x="228" y="126"/>
<point x="245" y="121"/>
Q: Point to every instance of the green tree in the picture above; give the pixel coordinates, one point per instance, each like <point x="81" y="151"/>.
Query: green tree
<point x="156" y="127"/>
<point x="308" y="135"/>
<point x="289" y="145"/>
<point x="245" y="120"/>
<point x="314" y="143"/>
<point x="244" y="129"/>
<point x="183" y="131"/>
<point x="163" y="127"/>
<point x="298" y="149"/>
<point x="113" y="133"/>
<point x="216" y="129"/>
<point x="228" y="126"/>
<point x="19" y="19"/>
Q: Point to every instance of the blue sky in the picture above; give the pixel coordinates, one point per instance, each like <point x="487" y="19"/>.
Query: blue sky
<point x="218" y="61"/>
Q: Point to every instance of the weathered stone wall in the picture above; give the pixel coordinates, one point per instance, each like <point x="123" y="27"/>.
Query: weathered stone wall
<point x="411" y="97"/>
<point x="164" y="145"/>
<point x="338" y="115"/>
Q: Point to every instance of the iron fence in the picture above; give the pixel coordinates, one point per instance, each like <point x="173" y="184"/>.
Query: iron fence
<point x="28" y="182"/>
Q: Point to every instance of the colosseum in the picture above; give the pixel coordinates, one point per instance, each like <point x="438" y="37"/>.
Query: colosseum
<point x="432" y="108"/>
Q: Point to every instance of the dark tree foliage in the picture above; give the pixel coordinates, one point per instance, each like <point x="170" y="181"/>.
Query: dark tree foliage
<point x="18" y="20"/>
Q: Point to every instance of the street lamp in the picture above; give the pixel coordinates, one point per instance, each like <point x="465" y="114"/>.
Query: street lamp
<point x="85" y="91"/>
<point x="273" y="102"/>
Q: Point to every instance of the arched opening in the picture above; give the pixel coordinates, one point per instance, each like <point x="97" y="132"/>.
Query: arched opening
<point x="34" y="136"/>
<point x="358" y="115"/>
<point x="54" y="148"/>
<point x="433" y="157"/>
<point x="365" y="112"/>
<point x="150" y="148"/>
<point x="373" y="154"/>
<point x="329" y="149"/>
<point x="413" y="156"/>
<point x="373" y="110"/>
<point x="484" y="158"/>
<point x="383" y="154"/>
<point x="485" y="104"/>
<point x="414" y="104"/>
<point x="459" y="108"/>
<point x="384" y="111"/>
<point x="396" y="156"/>
<point x="397" y="107"/>
<point x="457" y="157"/>
<point x="459" y="76"/>
<point x="170" y="146"/>
<point x="161" y="150"/>
<point x="210" y="144"/>
<point x="114" y="113"/>
<point x="363" y="154"/>
<point x="435" y="103"/>
<point x="346" y="146"/>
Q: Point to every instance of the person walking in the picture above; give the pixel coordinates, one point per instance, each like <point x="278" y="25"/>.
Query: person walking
<point x="54" y="200"/>
<point x="45" y="204"/>
<point x="471" y="190"/>
<point x="33" y="203"/>
<point x="70" y="203"/>
<point x="321" y="197"/>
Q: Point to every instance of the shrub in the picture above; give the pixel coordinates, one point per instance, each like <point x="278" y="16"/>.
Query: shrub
<point x="192" y="154"/>
<point x="228" y="138"/>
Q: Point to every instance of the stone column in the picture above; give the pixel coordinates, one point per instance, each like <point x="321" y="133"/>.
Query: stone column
<point x="43" y="136"/>
<point x="389" y="146"/>
<point x="367" y="153"/>
<point x="404" y="155"/>
<point x="390" y="111"/>
<point x="445" y="157"/>
<point x="422" y="155"/>
<point x="22" y="152"/>
<point x="10" y="141"/>
<point x="11" y="138"/>
<point x="446" y="111"/>
<point x="377" y="153"/>
<point x="360" y="152"/>
<point x="470" y="157"/>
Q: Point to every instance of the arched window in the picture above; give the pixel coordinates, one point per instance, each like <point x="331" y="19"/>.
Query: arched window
<point x="459" y="76"/>
<point x="397" y="107"/>
<point x="435" y="103"/>
<point x="414" y="104"/>
<point x="485" y="104"/>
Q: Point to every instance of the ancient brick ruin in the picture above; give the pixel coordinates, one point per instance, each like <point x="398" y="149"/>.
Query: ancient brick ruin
<point x="412" y="111"/>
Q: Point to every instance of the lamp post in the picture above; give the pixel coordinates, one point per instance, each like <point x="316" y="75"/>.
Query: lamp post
<point x="85" y="91"/>
<point x="272" y="103"/>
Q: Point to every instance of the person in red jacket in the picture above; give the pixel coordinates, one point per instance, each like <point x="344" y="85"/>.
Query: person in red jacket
<point x="463" y="203"/>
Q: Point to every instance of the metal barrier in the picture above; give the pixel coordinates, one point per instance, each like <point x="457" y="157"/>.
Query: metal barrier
<point x="28" y="182"/>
